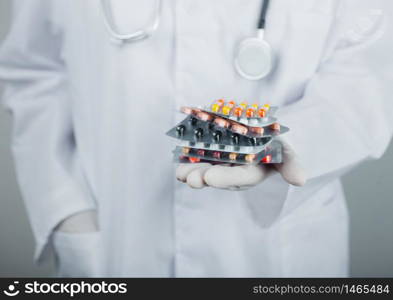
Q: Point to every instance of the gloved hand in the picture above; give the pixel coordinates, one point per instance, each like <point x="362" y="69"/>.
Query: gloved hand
<point x="224" y="176"/>
<point x="82" y="222"/>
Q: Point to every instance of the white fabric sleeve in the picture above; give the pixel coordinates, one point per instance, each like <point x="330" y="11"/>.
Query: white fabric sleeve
<point x="43" y="145"/>
<point x="345" y="114"/>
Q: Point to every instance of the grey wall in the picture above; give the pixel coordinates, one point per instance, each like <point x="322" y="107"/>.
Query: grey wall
<point x="369" y="190"/>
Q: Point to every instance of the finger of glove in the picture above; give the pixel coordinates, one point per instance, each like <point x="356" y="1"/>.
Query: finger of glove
<point x="226" y="177"/>
<point x="183" y="170"/>
<point x="195" y="178"/>
<point x="291" y="169"/>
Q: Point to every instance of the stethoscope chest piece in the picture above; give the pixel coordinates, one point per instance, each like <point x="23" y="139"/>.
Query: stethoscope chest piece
<point x="254" y="59"/>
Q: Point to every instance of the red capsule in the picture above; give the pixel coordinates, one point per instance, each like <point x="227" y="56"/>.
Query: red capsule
<point x="201" y="152"/>
<point x="217" y="154"/>
<point x="267" y="159"/>
<point x="194" y="160"/>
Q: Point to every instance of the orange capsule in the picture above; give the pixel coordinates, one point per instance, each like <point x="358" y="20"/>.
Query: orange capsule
<point x="267" y="159"/>
<point x="240" y="129"/>
<point x="222" y="122"/>
<point x="257" y="130"/>
<point x="262" y="113"/>
<point x="221" y="102"/>
<point x="250" y="112"/>
<point x="194" y="160"/>
<point x="204" y="116"/>
<point x="238" y="112"/>
<point x="231" y="104"/>
<point x="276" y="126"/>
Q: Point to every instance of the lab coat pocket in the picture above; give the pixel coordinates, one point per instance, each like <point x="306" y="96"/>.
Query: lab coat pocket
<point x="78" y="254"/>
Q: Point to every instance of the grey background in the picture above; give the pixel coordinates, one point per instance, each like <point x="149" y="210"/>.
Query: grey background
<point x="369" y="191"/>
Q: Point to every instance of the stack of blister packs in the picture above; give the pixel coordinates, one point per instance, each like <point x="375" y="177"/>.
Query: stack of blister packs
<point x="226" y="132"/>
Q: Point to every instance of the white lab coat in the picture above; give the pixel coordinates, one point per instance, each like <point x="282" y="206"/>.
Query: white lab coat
<point x="90" y="117"/>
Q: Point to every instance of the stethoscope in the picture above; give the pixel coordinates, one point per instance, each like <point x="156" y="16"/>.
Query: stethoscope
<point x="254" y="56"/>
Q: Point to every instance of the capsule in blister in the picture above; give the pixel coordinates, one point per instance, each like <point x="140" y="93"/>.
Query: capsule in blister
<point x="194" y="159"/>
<point x="250" y="158"/>
<point x="180" y="130"/>
<point x="233" y="156"/>
<point x="198" y="133"/>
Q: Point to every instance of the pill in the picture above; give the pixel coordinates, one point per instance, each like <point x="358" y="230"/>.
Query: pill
<point x="186" y="150"/>
<point x="226" y="110"/>
<point x="240" y="129"/>
<point x="217" y="154"/>
<point x="267" y="107"/>
<point x="243" y="104"/>
<point x="186" y="110"/>
<point x="250" y="112"/>
<point x="254" y="106"/>
<point x="250" y="157"/>
<point x="257" y="130"/>
<point x="204" y="116"/>
<point x="194" y="159"/>
<point x="237" y="112"/>
<point x="221" y="102"/>
<point x="233" y="156"/>
<point x="252" y="141"/>
<point x="215" y="108"/>
<point x="276" y="126"/>
<point x="235" y="139"/>
<point x="217" y="135"/>
<point x="180" y="130"/>
<point x="222" y="122"/>
<point x="201" y="152"/>
<point x="198" y="133"/>
<point x="192" y="121"/>
<point x="267" y="159"/>
<point x="231" y="104"/>
<point x="262" y="113"/>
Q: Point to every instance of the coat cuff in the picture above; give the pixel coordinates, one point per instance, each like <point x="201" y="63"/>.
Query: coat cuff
<point x="64" y="203"/>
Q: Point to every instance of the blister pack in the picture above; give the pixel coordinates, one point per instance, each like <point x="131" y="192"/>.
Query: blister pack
<point x="196" y="133"/>
<point x="271" y="154"/>
<point x="254" y="115"/>
<point x="269" y="129"/>
<point x="228" y="133"/>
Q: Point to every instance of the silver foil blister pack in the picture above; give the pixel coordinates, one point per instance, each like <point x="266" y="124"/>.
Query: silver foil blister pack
<point x="226" y="132"/>
<point x="271" y="154"/>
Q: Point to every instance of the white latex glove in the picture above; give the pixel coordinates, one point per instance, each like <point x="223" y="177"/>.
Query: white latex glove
<point x="79" y="223"/>
<point x="241" y="177"/>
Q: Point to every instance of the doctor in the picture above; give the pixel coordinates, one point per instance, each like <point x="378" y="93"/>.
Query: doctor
<point x="91" y="108"/>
